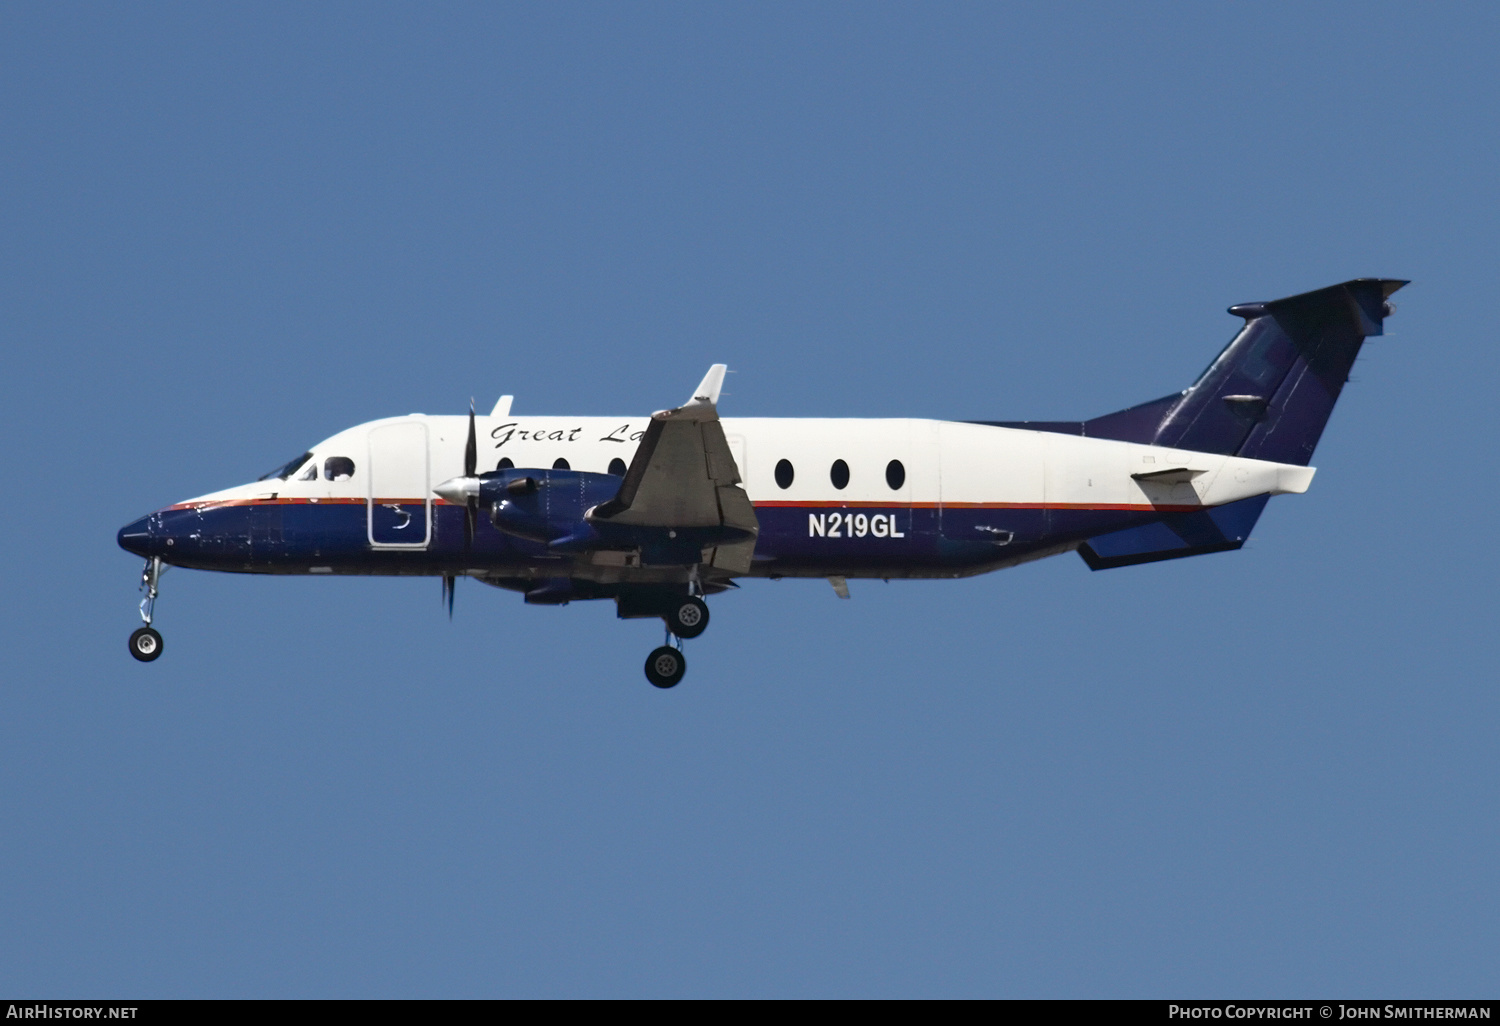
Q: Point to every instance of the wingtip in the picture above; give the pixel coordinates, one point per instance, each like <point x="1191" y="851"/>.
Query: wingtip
<point x="707" y="392"/>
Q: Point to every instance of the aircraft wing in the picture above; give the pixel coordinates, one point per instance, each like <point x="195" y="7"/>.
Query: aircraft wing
<point x="683" y="475"/>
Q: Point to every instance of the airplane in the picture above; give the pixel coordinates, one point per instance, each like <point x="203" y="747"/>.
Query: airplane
<point x="658" y="513"/>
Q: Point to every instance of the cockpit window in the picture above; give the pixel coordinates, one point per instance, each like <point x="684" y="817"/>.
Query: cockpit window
<point x="310" y="474"/>
<point x="338" y="468"/>
<point x="284" y="472"/>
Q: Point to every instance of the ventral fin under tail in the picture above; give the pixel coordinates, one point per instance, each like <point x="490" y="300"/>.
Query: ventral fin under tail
<point x="1218" y="529"/>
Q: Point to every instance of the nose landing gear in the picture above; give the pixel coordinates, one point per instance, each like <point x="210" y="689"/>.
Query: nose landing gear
<point x="145" y="642"/>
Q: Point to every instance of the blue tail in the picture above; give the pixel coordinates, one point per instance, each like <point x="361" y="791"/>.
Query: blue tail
<point x="1267" y="396"/>
<point x="1270" y="392"/>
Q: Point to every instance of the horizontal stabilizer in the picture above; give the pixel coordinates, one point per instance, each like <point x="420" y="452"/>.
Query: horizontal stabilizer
<point x="1175" y="475"/>
<point x="1220" y="529"/>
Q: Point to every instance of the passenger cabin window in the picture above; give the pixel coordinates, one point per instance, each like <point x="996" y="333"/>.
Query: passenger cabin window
<point x="839" y="474"/>
<point x="504" y="464"/>
<point x="338" y="468"/>
<point x="784" y="474"/>
<point x="560" y="464"/>
<point x="617" y="467"/>
<point x="895" y="475"/>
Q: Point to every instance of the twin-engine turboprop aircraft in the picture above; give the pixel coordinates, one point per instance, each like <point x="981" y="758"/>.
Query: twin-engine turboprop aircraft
<point x="659" y="512"/>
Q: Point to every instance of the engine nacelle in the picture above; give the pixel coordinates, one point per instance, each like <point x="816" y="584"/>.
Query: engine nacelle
<point x="551" y="506"/>
<point x="546" y="505"/>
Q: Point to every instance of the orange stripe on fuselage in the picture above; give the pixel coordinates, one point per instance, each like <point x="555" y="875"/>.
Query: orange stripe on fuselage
<point x="1132" y="507"/>
<point x="227" y="503"/>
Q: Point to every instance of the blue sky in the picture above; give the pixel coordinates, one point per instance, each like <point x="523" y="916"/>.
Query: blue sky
<point x="229" y="231"/>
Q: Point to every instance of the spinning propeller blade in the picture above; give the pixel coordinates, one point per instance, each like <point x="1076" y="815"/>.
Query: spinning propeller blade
<point x="464" y="490"/>
<point x="471" y="450"/>
<point x="450" y="587"/>
<point x="471" y="506"/>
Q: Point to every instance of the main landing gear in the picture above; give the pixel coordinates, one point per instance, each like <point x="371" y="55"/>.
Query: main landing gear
<point x="665" y="666"/>
<point x="145" y="642"/>
<point x="686" y="617"/>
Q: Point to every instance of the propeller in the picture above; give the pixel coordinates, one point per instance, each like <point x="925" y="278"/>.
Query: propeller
<point x="465" y="490"/>
<point x="450" y="586"/>
<point x="471" y="463"/>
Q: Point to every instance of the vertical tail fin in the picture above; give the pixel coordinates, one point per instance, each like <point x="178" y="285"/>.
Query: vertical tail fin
<point x="1269" y="394"/>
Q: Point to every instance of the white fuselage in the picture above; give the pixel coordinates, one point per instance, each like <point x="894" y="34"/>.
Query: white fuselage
<point x="944" y="462"/>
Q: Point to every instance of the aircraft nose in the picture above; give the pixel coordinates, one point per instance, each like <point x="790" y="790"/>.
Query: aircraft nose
<point x="137" y="537"/>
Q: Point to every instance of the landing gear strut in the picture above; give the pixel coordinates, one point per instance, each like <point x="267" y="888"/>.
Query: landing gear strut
<point x="686" y="617"/>
<point x="145" y="642"/>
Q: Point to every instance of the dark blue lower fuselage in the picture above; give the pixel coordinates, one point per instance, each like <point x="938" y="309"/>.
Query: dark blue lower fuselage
<point x="301" y="537"/>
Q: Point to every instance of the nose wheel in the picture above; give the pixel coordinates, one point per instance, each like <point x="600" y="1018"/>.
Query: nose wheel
<point x="145" y="642"/>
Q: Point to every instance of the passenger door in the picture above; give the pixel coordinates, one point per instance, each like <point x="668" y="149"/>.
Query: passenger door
<point x="399" y="503"/>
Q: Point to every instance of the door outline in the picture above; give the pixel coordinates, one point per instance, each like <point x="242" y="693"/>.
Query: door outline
<point x="372" y="500"/>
